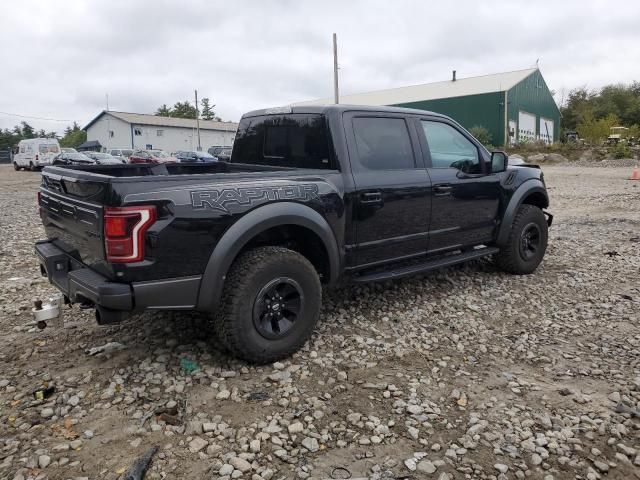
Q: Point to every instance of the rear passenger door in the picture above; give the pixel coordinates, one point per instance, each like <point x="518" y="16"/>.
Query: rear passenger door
<point x="466" y="194"/>
<point x="391" y="206"/>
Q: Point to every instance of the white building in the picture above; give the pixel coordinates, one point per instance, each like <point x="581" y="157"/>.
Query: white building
<point x="141" y="131"/>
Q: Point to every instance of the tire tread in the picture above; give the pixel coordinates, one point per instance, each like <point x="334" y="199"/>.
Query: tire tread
<point x="507" y="259"/>
<point x="234" y="293"/>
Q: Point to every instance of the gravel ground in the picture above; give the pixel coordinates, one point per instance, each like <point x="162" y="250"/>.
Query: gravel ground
<point x="464" y="373"/>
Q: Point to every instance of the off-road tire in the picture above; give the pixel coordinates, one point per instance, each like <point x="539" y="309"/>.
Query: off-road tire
<point x="15" y="166"/>
<point x="247" y="277"/>
<point x="511" y="258"/>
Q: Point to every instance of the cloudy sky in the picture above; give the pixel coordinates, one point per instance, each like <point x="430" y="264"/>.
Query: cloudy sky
<point x="60" y="58"/>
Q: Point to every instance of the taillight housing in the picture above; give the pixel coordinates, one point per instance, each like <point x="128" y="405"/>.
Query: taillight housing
<point x="124" y="230"/>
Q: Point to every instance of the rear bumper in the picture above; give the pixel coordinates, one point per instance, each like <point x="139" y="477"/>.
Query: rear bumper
<point x="79" y="283"/>
<point x="83" y="285"/>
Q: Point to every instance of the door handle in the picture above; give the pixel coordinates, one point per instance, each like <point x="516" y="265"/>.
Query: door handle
<point x="441" y="190"/>
<point x="371" y="197"/>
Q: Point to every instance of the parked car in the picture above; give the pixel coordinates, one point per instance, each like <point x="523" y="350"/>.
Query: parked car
<point x="403" y="192"/>
<point x="70" y="158"/>
<point x="123" y="153"/>
<point x="68" y="150"/>
<point x="193" y="156"/>
<point x="151" y="156"/>
<point x="224" y="155"/>
<point x="35" y="153"/>
<point x="105" y="158"/>
<point x="215" y="150"/>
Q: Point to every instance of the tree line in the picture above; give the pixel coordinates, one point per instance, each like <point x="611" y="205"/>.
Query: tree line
<point x="9" y="137"/>
<point x="187" y="110"/>
<point x="593" y="112"/>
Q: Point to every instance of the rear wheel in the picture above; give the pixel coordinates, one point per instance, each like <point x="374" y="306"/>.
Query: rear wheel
<point x="527" y="242"/>
<point x="270" y="306"/>
<point x="32" y="167"/>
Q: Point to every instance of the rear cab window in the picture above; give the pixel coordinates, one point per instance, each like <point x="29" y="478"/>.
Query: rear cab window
<point x="297" y="140"/>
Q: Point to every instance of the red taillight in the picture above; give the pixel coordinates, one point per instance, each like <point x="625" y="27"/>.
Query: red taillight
<point x="124" y="229"/>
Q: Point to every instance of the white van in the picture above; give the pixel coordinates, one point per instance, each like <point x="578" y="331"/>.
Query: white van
<point x="35" y="153"/>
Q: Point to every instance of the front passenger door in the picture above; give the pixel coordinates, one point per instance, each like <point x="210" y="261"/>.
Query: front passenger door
<point x="465" y="193"/>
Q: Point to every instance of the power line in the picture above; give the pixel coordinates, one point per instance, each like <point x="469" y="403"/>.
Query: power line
<point x="35" y="118"/>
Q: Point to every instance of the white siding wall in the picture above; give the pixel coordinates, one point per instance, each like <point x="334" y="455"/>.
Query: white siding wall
<point x="175" y="138"/>
<point x="100" y="131"/>
<point x="171" y="140"/>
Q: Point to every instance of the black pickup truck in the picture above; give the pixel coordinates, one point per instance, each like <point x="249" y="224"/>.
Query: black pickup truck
<point x="310" y="196"/>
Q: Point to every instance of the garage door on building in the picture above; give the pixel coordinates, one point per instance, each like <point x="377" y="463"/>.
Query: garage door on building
<point x="546" y="130"/>
<point x="526" y="126"/>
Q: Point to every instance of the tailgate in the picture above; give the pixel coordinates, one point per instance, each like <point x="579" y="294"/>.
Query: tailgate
<point x="72" y="216"/>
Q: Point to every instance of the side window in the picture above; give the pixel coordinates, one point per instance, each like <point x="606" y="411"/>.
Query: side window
<point x="383" y="143"/>
<point x="451" y="149"/>
<point x="22" y="149"/>
<point x="137" y="131"/>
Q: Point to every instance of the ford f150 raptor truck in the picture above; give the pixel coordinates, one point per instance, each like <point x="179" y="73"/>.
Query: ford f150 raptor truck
<point x="310" y="196"/>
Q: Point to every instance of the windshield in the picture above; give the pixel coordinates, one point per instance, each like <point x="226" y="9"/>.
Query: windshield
<point x="77" y="156"/>
<point x="159" y="153"/>
<point x="203" y="155"/>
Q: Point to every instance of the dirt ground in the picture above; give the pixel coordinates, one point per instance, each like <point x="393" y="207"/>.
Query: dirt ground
<point x="464" y="373"/>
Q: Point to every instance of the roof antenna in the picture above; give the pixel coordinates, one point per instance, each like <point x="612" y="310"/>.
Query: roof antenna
<point x="453" y="78"/>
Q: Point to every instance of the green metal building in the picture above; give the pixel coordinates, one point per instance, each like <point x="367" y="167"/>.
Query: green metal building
<point x="530" y="113"/>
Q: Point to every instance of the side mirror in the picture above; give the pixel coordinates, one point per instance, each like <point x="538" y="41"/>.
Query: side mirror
<point x="499" y="161"/>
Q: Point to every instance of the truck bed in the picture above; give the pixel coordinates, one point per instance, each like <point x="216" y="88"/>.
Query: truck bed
<point x="160" y="170"/>
<point x="73" y="200"/>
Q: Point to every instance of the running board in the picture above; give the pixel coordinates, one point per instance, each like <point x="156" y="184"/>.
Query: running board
<point x="440" y="262"/>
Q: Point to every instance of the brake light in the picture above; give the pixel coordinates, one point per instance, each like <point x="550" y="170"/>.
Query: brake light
<point x="124" y="230"/>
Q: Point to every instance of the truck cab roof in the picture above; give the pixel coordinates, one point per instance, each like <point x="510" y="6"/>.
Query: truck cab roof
<point x="336" y="109"/>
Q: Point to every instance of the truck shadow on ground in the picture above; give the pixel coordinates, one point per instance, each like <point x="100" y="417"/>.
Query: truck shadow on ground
<point x="192" y="335"/>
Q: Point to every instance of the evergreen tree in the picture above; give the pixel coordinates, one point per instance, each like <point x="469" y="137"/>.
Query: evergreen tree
<point x="163" y="111"/>
<point x="26" y="130"/>
<point x="207" y="112"/>
<point x="183" y="110"/>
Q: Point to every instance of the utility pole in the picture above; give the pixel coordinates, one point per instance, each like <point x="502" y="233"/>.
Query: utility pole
<point x="198" y="121"/>
<point x="336" y="95"/>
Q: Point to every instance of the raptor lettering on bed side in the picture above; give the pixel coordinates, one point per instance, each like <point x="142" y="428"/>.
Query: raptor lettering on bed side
<point x="248" y="196"/>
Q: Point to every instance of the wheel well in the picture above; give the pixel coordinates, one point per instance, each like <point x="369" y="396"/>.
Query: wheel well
<point x="537" y="199"/>
<point x="299" y="239"/>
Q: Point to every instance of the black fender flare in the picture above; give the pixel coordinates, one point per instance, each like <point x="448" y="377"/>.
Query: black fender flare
<point x="523" y="191"/>
<point x="246" y="228"/>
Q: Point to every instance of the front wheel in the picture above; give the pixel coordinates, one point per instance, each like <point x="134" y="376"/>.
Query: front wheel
<point x="270" y="305"/>
<point x="15" y="166"/>
<point x="527" y="242"/>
